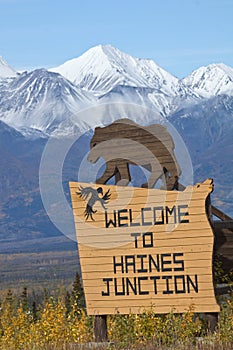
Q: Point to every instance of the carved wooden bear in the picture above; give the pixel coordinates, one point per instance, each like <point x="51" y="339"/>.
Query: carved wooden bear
<point x="124" y="142"/>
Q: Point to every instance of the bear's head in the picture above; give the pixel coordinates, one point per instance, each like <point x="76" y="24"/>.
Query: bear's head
<point x="96" y="137"/>
<point x="96" y="150"/>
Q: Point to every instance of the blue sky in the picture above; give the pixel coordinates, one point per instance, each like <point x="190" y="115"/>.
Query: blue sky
<point x="179" y="35"/>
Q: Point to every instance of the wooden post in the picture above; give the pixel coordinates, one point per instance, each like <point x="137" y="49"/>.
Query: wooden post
<point x="212" y="319"/>
<point x="100" y="321"/>
<point x="100" y="328"/>
<point x="222" y="216"/>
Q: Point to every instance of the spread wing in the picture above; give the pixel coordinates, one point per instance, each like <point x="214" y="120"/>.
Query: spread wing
<point x="85" y="191"/>
<point x="104" y="200"/>
<point x="106" y="196"/>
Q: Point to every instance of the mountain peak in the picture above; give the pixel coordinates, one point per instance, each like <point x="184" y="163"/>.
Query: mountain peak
<point x="45" y="100"/>
<point x="220" y="66"/>
<point x="5" y="70"/>
<point x="212" y="80"/>
<point x="41" y="100"/>
<point x="104" y="67"/>
<point x="102" y="49"/>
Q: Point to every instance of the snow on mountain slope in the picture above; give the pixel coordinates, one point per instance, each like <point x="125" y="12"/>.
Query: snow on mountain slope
<point x="104" y="67"/>
<point x="5" y="70"/>
<point x="145" y="97"/>
<point x="49" y="102"/>
<point x="114" y="76"/>
<point x="40" y="100"/>
<point x="106" y="113"/>
<point x="213" y="80"/>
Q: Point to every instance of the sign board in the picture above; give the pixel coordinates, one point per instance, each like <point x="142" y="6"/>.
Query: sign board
<point x="141" y="248"/>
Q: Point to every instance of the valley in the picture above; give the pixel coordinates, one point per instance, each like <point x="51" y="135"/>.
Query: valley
<point x="51" y="270"/>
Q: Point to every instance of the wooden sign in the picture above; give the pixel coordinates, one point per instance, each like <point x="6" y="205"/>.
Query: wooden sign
<point x="141" y="248"/>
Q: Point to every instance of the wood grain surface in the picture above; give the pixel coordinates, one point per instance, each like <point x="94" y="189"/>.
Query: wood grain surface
<point x="144" y="248"/>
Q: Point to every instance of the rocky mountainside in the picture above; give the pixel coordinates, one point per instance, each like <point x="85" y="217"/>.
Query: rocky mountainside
<point x="102" y="68"/>
<point x="114" y="76"/>
<point x="39" y="101"/>
<point x="72" y="99"/>
<point x="49" y="102"/>
<point x="213" y="80"/>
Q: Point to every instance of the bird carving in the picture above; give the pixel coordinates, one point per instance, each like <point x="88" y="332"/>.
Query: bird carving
<point x="93" y="196"/>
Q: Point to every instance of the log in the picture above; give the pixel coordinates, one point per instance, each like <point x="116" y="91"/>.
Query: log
<point x="219" y="225"/>
<point x="217" y="212"/>
<point x="223" y="244"/>
<point x="100" y="328"/>
<point x="212" y="320"/>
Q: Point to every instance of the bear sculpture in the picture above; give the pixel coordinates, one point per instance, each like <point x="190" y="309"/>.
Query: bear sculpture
<point x="124" y="142"/>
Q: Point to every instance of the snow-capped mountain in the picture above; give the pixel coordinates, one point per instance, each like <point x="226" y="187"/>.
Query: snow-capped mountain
<point x="5" y="70"/>
<point x="44" y="101"/>
<point x="40" y="101"/>
<point x="103" y="68"/>
<point x="106" y="84"/>
<point x="48" y="102"/>
<point x="213" y="80"/>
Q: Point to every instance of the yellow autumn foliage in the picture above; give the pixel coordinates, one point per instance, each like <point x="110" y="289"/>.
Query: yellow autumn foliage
<point x="20" y="331"/>
<point x="56" y="328"/>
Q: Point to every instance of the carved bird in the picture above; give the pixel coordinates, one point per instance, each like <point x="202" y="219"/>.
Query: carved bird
<point x="85" y="192"/>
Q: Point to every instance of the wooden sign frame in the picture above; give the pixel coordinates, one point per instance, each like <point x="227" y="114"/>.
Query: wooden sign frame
<point x="144" y="248"/>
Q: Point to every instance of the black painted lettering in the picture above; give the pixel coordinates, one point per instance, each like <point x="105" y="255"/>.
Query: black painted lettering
<point x="130" y="261"/>
<point x="155" y="279"/>
<point x="107" y="281"/>
<point x="179" y="289"/>
<point x="153" y="264"/>
<point x="145" y="223"/>
<point x="130" y="285"/>
<point x="122" y="218"/>
<point x="131" y="223"/>
<point x="168" y="290"/>
<point x="118" y="264"/>
<point x="135" y="235"/>
<point x="147" y="240"/>
<point x="158" y="213"/>
<point x="177" y="261"/>
<point x="109" y="222"/>
<point x="117" y="291"/>
<point x="181" y="213"/>
<point x="169" y="213"/>
<point x="166" y="262"/>
<point x="191" y="283"/>
<point x="140" y="291"/>
<point x="142" y="269"/>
